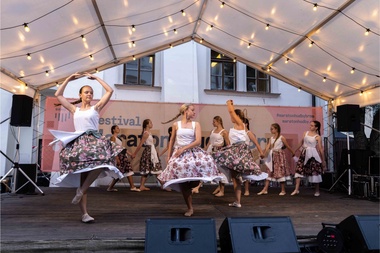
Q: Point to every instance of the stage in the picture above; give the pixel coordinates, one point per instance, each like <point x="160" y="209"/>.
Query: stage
<point x="50" y="223"/>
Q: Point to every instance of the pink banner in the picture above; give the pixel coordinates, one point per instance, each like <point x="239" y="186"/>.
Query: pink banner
<point x="294" y="121"/>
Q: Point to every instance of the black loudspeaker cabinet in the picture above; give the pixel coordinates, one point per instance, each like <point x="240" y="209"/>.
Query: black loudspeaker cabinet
<point x="31" y="171"/>
<point x="180" y="235"/>
<point x="361" y="233"/>
<point x="258" y="234"/>
<point x="348" y="118"/>
<point x="21" y="113"/>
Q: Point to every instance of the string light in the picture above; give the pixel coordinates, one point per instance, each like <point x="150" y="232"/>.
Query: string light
<point x="352" y="70"/>
<point x="324" y="79"/>
<point x="201" y="41"/>
<point x="133" y="57"/>
<point x="367" y="32"/>
<point x="315" y="7"/>
<point x="311" y="43"/>
<point x="171" y="46"/>
<point x="56" y="84"/>
<point x="26" y="27"/>
<point x="175" y="31"/>
<point x="133" y="44"/>
<point x="91" y="57"/>
<point x="211" y="26"/>
<point x="269" y="68"/>
<point x="47" y="73"/>
<point x="222" y="5"/>
<point x="96" y="70"/>
<point x="133" y="28"/>
<point x="249" y="45"/>
<point x="234" y="59"/>
<point x="267" y="27"/>
<point x="83" y="38"/>
<point x="299" y="89"/>
<point x="287" y="60"/>
<point x="361" y="93"/>
<point x="183" y="13"/>
<point x="28" y="56"/>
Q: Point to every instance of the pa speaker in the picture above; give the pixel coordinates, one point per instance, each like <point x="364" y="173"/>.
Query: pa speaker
<point x="180" y="235"/>
<point x="23" y="185"/>
<point x="258" y="234"/>
<point x="361" y="233"/>
<point x="21" y="113"/>
<point x="348" y="118"/>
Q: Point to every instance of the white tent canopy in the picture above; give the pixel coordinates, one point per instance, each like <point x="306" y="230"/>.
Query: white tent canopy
<point x="279" y="34"/>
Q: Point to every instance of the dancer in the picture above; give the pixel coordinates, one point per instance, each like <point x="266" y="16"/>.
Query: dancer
<point x="251" y="137"/>
<point x="149" y="161"/>
<point x="311" y="162"/>
<point x="218" y="139"/>
<point x="277" y="166"/>
<point x="187" y="162"/>
<point x="86" y="154"/>
<point x="122" y="162"/>
<point x="237" y="157"/>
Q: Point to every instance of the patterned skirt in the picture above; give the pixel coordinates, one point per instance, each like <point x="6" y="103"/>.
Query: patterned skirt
<point x="281" y="170"/>
<point x="311" y="168"/>
<point x="87" y="153"/>
<point x="146" y="163"/>
<point x="125" y="166"/>
<point x="238" y="157"/>
<point x="192" y="165"/>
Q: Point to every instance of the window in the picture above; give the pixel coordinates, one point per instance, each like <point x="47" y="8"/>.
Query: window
<point x="140" y="71"/>
<point x="257" y="81"/>
<point x="222" y="72"/>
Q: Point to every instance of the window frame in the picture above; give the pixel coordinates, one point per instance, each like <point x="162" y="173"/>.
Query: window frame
<point x="223" y="60"/>
<point x="139" y="71"/>
<point x="257" y="80"/>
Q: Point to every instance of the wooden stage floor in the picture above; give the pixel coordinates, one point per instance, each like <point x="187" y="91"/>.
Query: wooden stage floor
<point x="51" y="222"/>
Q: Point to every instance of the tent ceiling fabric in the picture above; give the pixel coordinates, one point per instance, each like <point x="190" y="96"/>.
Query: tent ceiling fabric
<point x="336" y="29"/>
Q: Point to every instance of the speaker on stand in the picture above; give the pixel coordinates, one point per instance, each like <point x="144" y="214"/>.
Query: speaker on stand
<point x="21" y="113"/>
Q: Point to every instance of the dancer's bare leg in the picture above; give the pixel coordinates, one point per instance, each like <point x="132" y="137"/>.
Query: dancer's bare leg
<point x="187" y="196"/>
<point x="142" y="183"/>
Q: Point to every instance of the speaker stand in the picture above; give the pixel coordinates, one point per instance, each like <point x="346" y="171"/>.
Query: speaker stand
<point x="16" y="168"/>
<point x="348" y="170"/>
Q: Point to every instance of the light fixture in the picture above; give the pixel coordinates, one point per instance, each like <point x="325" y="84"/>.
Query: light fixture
<point x="361" y="93"/>
<point x="171" y="46"/>
<point x="367" y="32"/>
<point x="83" y="38"/>
<point x="96" y="70"/>
<point x="249" y="45"/>
<point x="352" y="70"/>
<point x="269" y="68"/>
<point x="267" y="27"/>
<point x="211" y="26"/>
<point x="332" y="100"/>
<point x="28" y="56"/>
<point x="47" y="73"/>
<point x="324" y="79"/>
<point x="91" y="57"/>
<point x="133" y="44"/>
<point x="133" y="28"/>
<point x="287" y="60"/>
<point x="26" y="27"/>
<point x="56" y="84"/>
<point x="222" y="5"/>
<point x="133" y="57"/>
<point x="175" y="31"/>
<point x="299" y="89"/>
<point x="201" y="41"/>
<point x="234" y="59"/>
<point x="315" y="7"/>
<point x="183" y="13"/>
<point x="311" y="43"/>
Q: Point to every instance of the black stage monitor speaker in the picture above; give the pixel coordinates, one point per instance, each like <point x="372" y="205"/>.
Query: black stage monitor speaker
<point x="180" y="235"/>
<point x="21" y="113"/>
<point x="31" y="171"/>
<point x="361" y="233"/>
<point x="348" y="118"/>
<point x="258" y="234"/>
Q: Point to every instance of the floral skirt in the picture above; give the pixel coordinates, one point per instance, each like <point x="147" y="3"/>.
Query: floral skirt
<point x="238" y="157"/>
<point x="146" y="163"/>
<point x="281" y="170"/>
<point x="192" y="165"/>
<point x="125" y="166"/>
<point x="311" y="168"/>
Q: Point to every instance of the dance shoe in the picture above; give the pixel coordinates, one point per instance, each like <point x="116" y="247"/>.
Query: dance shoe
<point x="87" y="218"/>
<point x="282" y="193"/>
<point x="294" y="193"/>
<point x="234" y="205"/>
<point x="317" y="194"/>
<point x="77" y="197"/>
<point x="262" y="193"/>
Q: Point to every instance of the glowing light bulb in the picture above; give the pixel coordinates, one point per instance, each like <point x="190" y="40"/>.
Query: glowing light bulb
<point x="222" y="5"/>
<point x="315" y="7"/>
<point x="324" y="79"/>
<point x="133" y="28"/>
<point x="367" y="32"/>
<point x="28" y="56"/>
<point x="287" y="60"/>
<point x="311" y="44"/>
<point x="183" y="13"/>
<point x="133" y="57"/>
<point x="352" y="70"/>
<point x="267" y="27"/>
<point x="47" y="73"/>
<point x="26" y="27"/>
<point x="91" y="57"/>
<point x="83" y="38"/>
<point x="249" y="45"/>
